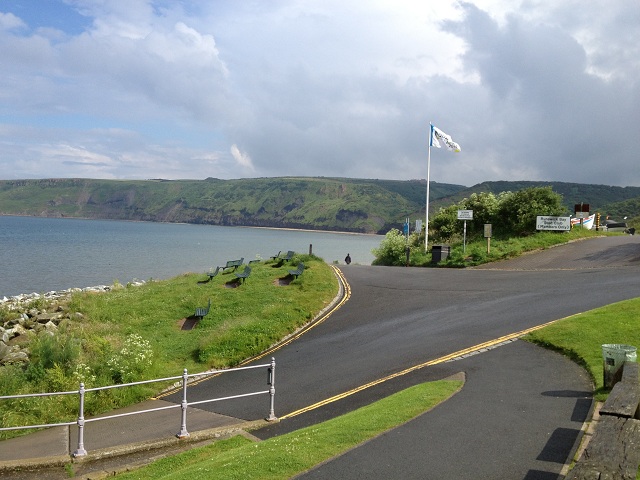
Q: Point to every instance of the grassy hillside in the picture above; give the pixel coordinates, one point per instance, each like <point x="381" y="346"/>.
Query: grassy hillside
<point x="319" y="203"/>
<point x="367" y="206"/>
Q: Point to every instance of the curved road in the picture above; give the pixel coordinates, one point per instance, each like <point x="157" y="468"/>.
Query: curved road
<point x="522" y="407"/>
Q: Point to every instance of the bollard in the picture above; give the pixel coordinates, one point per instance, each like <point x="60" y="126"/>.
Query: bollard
<point x="80" y="451"/>
<point x="183" y="433"/>
<point x="272" y="391"/>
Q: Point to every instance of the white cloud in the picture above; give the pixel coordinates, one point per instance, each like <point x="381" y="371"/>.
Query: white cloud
<point x="242" y="158"/>
<point x="158" y="89"/>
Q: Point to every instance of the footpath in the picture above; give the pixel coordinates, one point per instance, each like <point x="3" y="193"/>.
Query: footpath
<point x="114" y="445"/>
<point x="513" y="389"/>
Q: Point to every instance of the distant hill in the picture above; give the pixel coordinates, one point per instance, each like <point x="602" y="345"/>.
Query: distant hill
<point x="608" y="200"/>
<point x="319" y="203"/>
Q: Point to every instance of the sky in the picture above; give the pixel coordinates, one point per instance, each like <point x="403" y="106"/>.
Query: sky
<point x="542" y="90"/>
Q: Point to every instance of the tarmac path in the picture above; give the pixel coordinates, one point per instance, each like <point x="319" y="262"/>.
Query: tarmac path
<point x="398" y="317"/>
<point x="520" y="404"/>
<point x="521" y="410"/>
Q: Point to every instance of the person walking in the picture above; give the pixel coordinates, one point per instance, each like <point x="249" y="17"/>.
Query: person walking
<point x="347" y="259"/>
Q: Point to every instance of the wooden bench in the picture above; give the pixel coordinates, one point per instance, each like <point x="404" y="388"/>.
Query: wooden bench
<point x="245" y="274"/>
<point x="297" y="272"/>
<point x="202" y="311"/>
<point x="212" y="273"/>
<point x="233" y="264"/>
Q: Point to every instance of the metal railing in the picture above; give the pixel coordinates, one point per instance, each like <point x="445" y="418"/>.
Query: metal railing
<point x="184" y="404"/>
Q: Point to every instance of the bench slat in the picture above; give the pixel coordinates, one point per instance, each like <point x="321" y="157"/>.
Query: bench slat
<point x="245" y="274"/>
<point x="296" y="273"/>
<point x="202" y="311"/>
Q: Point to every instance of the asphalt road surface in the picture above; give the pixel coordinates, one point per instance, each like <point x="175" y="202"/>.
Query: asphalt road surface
<point x="520" y="406"/>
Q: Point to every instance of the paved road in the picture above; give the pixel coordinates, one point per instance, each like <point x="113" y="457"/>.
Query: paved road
<point x="400" y="317"/>
<point x="520" y="411"/>
<point x="501" y="424"/>
<point x="518" y="416"/>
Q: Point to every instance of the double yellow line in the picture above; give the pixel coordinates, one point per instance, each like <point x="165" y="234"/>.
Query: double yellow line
<point x="344" y="295"/>
<point x="436" y="361"/>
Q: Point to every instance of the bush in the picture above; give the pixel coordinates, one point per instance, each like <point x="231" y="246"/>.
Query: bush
<point x="510" y="213"/>
<point x="393" y="249"/>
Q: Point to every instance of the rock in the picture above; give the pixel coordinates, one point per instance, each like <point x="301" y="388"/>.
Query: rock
<point x="4" y="350"/>
<point x="15" y="357"/>
<point x="51" y="327"/>
<point x="18" y="330"/>
<point x="45" y="317"/>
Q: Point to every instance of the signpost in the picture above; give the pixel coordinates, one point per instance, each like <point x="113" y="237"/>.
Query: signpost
<point x="487" y="235"/>
<point x="465" y="215"/>
<point x="582" y="211"/>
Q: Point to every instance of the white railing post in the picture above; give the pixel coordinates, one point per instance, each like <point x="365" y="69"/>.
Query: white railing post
<point x="80" y="451"/>
<point x="272" y="391"/>
<point x="183" y="433"/>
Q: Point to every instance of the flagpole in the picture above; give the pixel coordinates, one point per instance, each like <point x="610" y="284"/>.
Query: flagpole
<point x="426" y="225"/>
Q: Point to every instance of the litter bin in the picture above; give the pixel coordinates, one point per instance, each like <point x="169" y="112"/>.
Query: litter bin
<point x="439" y="253"/>
<point x="613" y="358"/>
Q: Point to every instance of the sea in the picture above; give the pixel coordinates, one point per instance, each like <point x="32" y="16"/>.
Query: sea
<point x="39" y="255"/>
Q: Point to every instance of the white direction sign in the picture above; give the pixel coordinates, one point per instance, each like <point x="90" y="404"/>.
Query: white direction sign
<point x="465" y="214"/>
<point x="553" y="223"/>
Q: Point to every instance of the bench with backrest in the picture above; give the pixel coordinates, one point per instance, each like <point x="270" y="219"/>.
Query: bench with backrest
<point x="244" y="274"/>
<point x="212" y="273"/>
<point x="288" y="256"/>
<point x="276" y="256"/>
<point x="233" y="264"/>
<point x="202" y="311"/>
<point x="297" y="272"/>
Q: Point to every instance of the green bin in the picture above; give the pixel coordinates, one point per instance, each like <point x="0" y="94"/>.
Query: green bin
<point x="613" y="357"/>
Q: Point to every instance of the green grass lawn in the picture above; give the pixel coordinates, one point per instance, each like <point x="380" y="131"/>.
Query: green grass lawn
<point x="581" y="336"/>
<point x="287" y="455"/>
<point x="138" y="332"/>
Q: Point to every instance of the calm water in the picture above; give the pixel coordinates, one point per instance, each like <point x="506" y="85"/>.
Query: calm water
<point x="44" y="254"/>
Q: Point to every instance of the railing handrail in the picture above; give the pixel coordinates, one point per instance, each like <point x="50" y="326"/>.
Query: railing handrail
<point x="141" y="382"/>
<point x="81" y="421"/>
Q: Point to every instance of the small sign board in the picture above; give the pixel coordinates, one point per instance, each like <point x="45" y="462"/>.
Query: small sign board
<point x="553" y="223"/>
<point x="465" y="214"/>
<point x="487" y="230"/>
<point x="581" y="207"/>
<point x="581" y="210"/>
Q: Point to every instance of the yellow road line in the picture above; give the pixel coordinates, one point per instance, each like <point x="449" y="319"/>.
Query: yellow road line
<point x="436" y="361"/>
<point x="346" y="294"/>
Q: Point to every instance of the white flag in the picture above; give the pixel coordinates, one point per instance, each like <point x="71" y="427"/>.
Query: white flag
<point x="437" y="134"/>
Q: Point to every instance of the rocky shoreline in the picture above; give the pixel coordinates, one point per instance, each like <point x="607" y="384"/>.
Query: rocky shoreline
<point x="29" y="314"/>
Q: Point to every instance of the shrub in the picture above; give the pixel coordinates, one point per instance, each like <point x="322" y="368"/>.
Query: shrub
<point x="393" y="249"/>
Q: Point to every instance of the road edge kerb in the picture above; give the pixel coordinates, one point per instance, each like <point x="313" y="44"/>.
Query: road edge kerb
<point x="121" y="450"/>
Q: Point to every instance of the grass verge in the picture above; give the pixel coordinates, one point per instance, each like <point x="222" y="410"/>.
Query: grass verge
<point x="581" y="336"/>
<point x="287" y="455"/>
<point x="476" y="253"/>
<point x="142" y="332"/>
